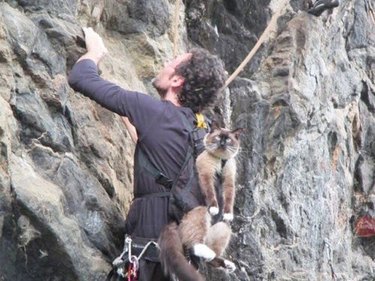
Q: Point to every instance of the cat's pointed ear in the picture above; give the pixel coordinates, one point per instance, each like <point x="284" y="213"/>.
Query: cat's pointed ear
<point x="237" y="132"/>
<point x="214" y="125"/>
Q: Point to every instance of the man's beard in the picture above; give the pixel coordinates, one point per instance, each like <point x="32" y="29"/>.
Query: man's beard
<point x="162" y="92"/>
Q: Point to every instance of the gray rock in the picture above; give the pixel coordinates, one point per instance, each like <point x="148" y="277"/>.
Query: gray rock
<point x="306" y="167"/>
<point x="56" y="7"/>
<point x="137" y="16"/>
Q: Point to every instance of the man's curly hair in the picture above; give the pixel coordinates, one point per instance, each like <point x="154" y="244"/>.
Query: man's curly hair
<point x="204" y="76"/>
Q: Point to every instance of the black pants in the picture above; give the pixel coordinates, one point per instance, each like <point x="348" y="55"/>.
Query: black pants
<point x="151" y="271"/>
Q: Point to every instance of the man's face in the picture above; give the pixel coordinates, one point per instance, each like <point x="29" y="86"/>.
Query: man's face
<point x="166" y="77"/>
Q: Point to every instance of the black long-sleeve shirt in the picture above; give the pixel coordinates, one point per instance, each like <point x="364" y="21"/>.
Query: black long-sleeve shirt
<point x="162" y="136"/>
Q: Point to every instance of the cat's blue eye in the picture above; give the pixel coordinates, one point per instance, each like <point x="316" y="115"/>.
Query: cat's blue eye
<point x="229" y="140"/>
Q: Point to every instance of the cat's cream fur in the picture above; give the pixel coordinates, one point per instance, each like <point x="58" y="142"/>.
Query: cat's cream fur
<point x="220" y="144"/>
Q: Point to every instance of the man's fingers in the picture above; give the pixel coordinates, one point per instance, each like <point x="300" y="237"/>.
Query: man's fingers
<point x="94" y="44"/>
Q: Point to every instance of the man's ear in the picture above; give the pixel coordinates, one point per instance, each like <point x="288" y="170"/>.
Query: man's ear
<point x="177" y="81"/>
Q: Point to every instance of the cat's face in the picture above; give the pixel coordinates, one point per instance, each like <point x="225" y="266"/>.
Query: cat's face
<point x="223" y="143"/>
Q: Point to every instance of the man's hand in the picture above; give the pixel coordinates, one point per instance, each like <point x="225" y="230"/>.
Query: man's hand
<point x="94" y="45"/>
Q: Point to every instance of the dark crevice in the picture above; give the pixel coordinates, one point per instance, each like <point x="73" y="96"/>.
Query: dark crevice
<point x="366" y="97"/>
<point x="280" y="224"/>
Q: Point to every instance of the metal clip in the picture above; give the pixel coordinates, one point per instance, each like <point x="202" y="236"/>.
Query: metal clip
<point x="128" y="240"/>
<point x="135" y="262"/>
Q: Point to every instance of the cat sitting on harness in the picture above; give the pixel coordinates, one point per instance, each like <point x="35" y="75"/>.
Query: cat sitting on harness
<point x="195" y="233"/>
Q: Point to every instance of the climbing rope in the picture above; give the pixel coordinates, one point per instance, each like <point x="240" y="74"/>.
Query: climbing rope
<point x="265" y="35"/>
<point x="175" y="27"/>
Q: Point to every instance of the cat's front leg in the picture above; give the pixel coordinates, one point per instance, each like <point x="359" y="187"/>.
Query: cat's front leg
<point x="229" y="190"/>
<point x="208" y="187"/>
<point x="207" y="166"/>
<point x="228" y="217"/>
<point x="206" y="181"/>
<point x="228" y="205"/>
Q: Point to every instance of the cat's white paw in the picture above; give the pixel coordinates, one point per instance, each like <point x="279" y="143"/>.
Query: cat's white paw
<point x="228" y="217"/>
<point x="213" y="211"/>
<point x="230" y="266"/>
<point x="204" y="252"/>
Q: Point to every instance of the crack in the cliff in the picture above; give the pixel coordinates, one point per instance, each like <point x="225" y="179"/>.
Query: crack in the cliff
<point x="370" y="10"/>
<point x="365" y="97"/>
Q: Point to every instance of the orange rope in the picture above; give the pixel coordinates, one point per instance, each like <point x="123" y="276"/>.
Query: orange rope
<point x="175" y="27"/>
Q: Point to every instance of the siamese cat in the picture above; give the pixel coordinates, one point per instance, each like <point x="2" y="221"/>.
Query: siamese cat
<point x="218" y="159"/>
<point x="195" y="233"/>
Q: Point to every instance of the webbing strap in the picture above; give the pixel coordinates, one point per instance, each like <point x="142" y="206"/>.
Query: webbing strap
<point x="192" y="147"/>
<point x="219" y="174"/>
<point x="156" y="194"/>
<point x="159" y="177"/>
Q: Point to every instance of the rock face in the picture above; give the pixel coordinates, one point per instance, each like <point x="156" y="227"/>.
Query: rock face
<point x="306" y="100"/>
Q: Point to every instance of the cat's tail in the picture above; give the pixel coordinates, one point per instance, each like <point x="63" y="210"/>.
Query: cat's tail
<point x="172" y="255"/>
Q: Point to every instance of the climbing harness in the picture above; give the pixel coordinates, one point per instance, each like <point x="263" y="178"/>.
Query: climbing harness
<point x="126" y="265"/>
